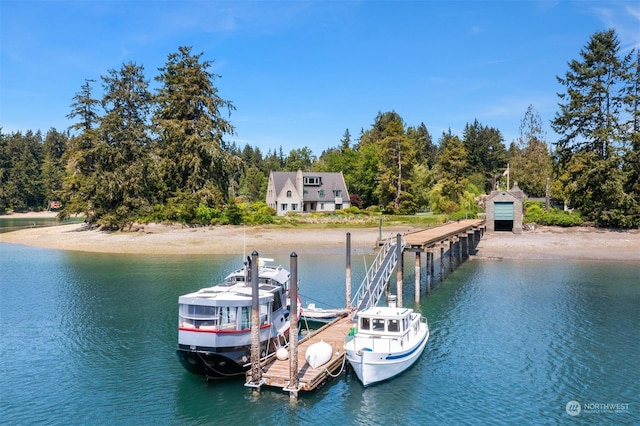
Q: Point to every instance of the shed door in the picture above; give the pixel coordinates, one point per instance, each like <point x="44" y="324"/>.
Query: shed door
<point x="503" y="211"/>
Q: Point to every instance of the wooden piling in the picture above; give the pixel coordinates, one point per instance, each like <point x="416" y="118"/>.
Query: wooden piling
<point x="429" y="270"/>
<point x="348" y="272"/>
<point x="256" y="371"/>
<point x="417" y="278"/>
<point x="294" y="384"/>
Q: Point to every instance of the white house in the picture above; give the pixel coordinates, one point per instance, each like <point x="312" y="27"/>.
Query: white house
<point x="306" y="192"/>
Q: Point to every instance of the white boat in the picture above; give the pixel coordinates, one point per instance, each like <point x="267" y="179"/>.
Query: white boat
<point x="313" y="313"/>
<point x="318" y="354"/>
<point x="214" y="323"/>
<point x="387" y="341"/>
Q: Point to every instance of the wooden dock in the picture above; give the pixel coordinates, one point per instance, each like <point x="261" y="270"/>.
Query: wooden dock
<point x="276" y="373"/>
<point x="432" y="236"/>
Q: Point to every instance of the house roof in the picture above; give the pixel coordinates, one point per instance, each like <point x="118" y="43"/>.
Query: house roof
<point x="329" y="183"/>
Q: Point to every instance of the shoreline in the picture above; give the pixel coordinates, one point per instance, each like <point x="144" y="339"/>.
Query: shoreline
<point x="546" y="242"/>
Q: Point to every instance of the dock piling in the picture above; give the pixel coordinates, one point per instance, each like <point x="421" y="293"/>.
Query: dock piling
<point x="294" y="384"/>
<point x="256" y="371"/>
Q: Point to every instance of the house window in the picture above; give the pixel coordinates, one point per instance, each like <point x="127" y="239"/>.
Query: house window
<point x="321" y="206"/>
<point x="312" y="180"/>
<point x="283" y="207"/>
<point x="294" y="207"/>
<point x="337" y="193"/>
<point x="321" y="193"/>
<point x="288" y="194"/>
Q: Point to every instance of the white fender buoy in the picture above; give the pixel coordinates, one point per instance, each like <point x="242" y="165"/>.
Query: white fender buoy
<point x="282" y="353"/>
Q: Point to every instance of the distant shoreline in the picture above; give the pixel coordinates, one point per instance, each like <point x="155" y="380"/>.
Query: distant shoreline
<point x="542" y="243"/>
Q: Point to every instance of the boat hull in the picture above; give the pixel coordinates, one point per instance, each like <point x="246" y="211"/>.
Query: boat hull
<point x="209" y="364"/>
<point x="372" y="367"/>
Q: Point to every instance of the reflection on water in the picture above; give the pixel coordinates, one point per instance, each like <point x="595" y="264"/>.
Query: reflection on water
<point x="90" y="338"/>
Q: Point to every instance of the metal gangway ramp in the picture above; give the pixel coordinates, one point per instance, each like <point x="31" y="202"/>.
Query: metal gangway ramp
<point x="377" y="277"/>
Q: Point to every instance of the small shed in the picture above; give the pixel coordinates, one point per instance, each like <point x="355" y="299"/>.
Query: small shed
<point x="504" y="210"/>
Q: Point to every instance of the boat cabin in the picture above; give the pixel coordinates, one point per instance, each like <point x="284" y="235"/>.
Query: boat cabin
<point x="384" y="320"/>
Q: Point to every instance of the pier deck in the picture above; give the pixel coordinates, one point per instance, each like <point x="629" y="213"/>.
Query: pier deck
<point x="432" y="236"/>
<point x="276" y="372"/>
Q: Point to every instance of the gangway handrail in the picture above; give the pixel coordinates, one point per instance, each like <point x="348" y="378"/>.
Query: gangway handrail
<point x="377" y="276"/>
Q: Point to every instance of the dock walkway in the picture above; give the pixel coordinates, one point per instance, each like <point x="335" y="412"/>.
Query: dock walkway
<point x="432" y="236"/>
<point x="276" y="373"/>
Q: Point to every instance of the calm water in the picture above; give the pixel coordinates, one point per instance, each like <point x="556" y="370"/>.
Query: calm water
<point x="90" y="339"/>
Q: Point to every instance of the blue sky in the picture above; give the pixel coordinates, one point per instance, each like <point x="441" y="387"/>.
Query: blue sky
<point x="302" y="72"/>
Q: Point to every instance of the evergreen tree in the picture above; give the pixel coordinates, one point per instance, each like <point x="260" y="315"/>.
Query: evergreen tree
<point x="426" y="151"/>
<point x="486" y="153"/>
<point x="193" y="157"/>
<point x="122" y="161"/>
<point x="451" y="169"/>
<point x="595" y="137"/>
<point x="79" y="186"/>
<point x="52" y="167"/>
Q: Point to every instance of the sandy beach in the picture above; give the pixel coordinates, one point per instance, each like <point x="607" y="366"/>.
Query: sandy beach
<point x="542" y="243"/>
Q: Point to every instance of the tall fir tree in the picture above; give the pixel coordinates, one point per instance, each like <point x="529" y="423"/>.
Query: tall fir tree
<point x="194" y="160"/>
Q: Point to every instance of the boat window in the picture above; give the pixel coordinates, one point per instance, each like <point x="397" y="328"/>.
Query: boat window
<point x="228" y="317"/>
<point x="405" y="323"/>
<point x="378" y="324"/>
<point x="365" y="324"/>
<point x="245" y="318"/>
<point x="277" y="302"/>
<point x="393" y="325"/>
<point x="197" y="316"/>
<point x="264" y="314"/>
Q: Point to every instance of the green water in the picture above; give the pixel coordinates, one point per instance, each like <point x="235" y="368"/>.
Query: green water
<point x="91" y="338"/>
<point x="9" y="223"/>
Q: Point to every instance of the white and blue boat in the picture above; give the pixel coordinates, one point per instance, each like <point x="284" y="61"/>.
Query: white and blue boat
<point x="387" y="341"/>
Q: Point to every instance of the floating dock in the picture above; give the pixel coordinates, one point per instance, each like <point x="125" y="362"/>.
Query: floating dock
<point x="276" y="373"/>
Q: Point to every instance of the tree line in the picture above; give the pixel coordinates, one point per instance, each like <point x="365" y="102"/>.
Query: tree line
<point x="137" y="155"/>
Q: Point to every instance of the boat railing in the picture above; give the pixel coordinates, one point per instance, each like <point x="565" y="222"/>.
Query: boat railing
<point x="373" y="343"/>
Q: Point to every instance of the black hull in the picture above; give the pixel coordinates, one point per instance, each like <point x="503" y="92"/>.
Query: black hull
<point x="209" y="364"/>
<point x="222" y="363"/>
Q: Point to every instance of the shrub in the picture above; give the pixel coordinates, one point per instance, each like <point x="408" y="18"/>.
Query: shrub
<point x="535" y="213"/>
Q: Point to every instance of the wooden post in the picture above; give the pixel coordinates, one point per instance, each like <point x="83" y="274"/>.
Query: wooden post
<point x="256" y="371"/>
<point x="452" y="245"/>
<point x="399" y="269"/>
<point x="429" y="270"/>
<point x="460" y="250"/>
<point x="294" y="383"/>
<point x="348" y="273"/>
<point x="441" y="261"/>
<point x="417" y="277"/>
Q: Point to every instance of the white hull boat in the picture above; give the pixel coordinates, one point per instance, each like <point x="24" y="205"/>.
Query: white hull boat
<point x="388" y="340"/>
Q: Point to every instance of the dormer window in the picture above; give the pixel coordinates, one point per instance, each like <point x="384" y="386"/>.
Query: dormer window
<point x="312" y="180"/>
